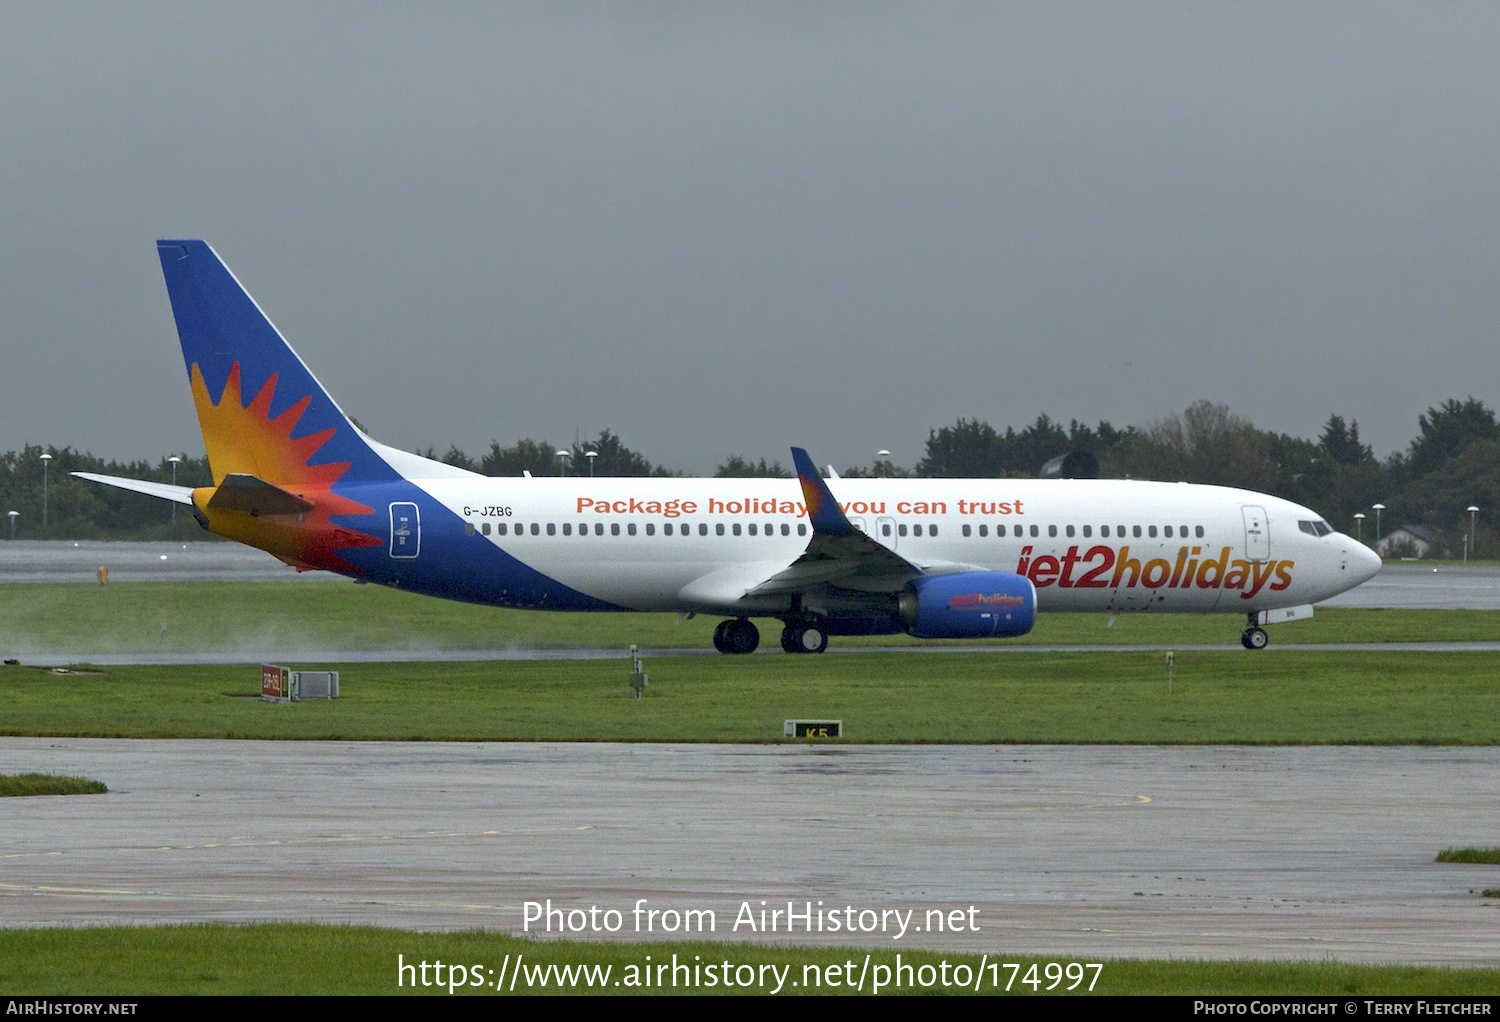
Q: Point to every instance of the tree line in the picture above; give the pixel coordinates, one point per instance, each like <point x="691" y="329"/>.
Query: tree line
<point x="1451" y="464"/>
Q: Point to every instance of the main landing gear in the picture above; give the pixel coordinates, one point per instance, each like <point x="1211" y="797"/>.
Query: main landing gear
<point x="1254" y="636"/>
<point x="737" y="635"/>
<point x="803" y="638"/>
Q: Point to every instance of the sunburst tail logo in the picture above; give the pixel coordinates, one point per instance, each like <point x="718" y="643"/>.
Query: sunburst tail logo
<point x="263" y="414"/>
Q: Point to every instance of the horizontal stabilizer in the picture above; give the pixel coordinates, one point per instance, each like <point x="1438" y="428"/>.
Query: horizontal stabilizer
<point x="254" y="496"/>
<point x="166" y="491"/>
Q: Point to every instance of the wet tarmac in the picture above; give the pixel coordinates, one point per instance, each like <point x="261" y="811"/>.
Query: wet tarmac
<point x="1076" y="851"/>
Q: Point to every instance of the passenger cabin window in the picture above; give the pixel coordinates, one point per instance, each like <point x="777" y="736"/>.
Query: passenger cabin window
<point x="916" y="530"/>
<point x="736" y="528"/>
<point x="536" y="530"/>
<point x="984" y="530"/>
<point x="901" y="529"/>
<point x="1088" y="531"/>
<point x="1198" y="532"/>
<point x="966" y="531"/>
<point x="630" y="528"/>
<point x="614" y="528"/>
<point x="802" y="528"/>
<point x="567" y="528"/>
<point x="1035" y="532"/>
<point x="1070" y="532"/>
<point x="1052" y="531"/>
<point x="650" y="528"/>
<point x="1136" y="531"/>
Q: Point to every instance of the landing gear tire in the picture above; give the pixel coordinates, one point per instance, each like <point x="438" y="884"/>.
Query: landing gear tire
<point x="1254" y="638"/>
<point x="737" y="635"/>
<point x="804" y="639"/>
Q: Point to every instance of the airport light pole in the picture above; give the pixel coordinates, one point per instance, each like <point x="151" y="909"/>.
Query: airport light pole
<point x="883" y="466"/>
<point x="174" y="459"/>
<point x="1359" y="526"/>
<point x="591" y="455"/>
<point x="45" y="459"/>
<point x="13" y="516"/>
<point x="1377" y="508"/>
<point x="1472" y="512"/>
<point x="562" y="463"/>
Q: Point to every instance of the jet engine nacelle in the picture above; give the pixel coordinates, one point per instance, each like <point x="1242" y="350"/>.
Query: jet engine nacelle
<point x="968" y="605"/>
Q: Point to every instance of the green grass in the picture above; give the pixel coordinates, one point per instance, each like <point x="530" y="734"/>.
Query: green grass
<point x="1487" y="856"/>
<point x="1306" y="697"/>
<point x="147" y="617"/>
<point x="318" y="959"/>
<point x="48" y="784"/>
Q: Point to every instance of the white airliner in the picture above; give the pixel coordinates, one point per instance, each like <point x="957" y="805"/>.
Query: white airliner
<point x="950" y="559"/>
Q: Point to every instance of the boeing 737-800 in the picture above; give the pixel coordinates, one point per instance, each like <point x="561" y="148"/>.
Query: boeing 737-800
<point x="935" y="558"/>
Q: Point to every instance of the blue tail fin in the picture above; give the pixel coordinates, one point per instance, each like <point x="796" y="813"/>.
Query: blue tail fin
<point x="262" y="412"/>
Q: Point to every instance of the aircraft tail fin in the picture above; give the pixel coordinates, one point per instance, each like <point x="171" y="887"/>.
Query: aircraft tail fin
<point x="262" y="412"/>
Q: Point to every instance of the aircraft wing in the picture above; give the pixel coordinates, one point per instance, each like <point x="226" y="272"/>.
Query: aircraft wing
<point x="166" y="491"/>
<point x="838" y="554"/>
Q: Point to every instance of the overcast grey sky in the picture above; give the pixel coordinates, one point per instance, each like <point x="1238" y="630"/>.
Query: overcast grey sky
<point x="727" y="228"/>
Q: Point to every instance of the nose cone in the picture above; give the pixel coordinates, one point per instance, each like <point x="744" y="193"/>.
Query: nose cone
<point x="1364" y="563"/>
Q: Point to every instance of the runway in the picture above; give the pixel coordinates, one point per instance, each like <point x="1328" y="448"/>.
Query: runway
<point x="1075" y="851"/>
<point x="80" y="561"/>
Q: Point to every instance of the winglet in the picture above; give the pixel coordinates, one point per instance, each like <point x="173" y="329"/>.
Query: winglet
<point x="822" y="510"/>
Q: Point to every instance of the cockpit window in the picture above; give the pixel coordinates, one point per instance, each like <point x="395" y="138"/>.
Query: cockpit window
<point x="1317" y="528"/>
